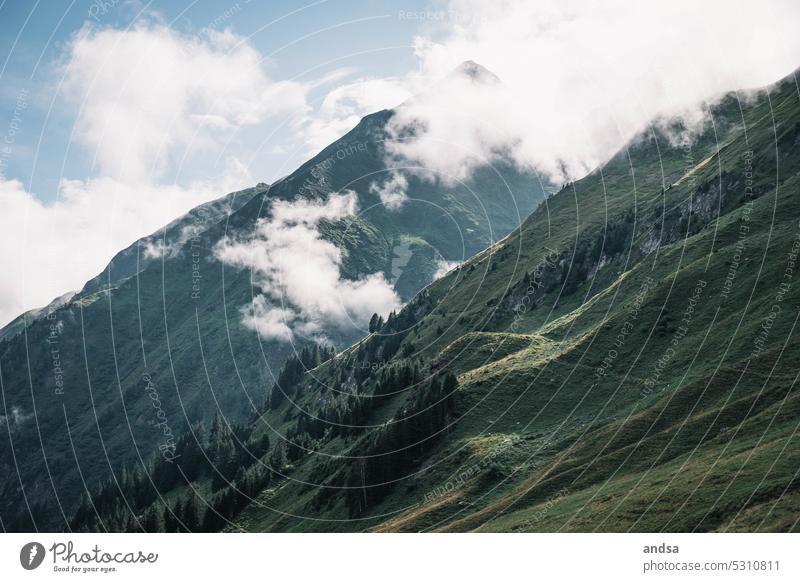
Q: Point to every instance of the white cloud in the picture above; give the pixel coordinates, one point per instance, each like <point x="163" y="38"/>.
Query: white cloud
<point x="150" y="96"/>
<point x="299" y="273"/>
<point x="392" y="192"/>
<point x="443" y="267"/>
<point x="345" y="105"/>
<point x="579" y="79"/>
<point x="156" y="248"/>
<point x="47" y="249"/>
<point x="269" y="321"/>
<point x="149" y="100"/>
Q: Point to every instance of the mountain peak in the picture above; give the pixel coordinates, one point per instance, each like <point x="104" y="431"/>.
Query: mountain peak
<point x="476" y="73"/>
<point x="469" y="71"/>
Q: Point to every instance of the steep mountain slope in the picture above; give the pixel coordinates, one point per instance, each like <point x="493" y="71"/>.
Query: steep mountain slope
<point x="112" y="378"/>
<point x="16" y="325"/>
<point x="170" y="240"/>
<point x="626" y="360"/>
<point x="129" y="261"/>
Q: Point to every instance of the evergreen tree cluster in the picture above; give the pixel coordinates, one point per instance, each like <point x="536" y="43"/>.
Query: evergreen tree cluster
<point x="393" y="451"/>
<point x="395" y="379"/>
<point x="344" y="414"/>
<point x="293" y="371"/>
<point x="391" y="333"/>
<point x="224" y="461"/>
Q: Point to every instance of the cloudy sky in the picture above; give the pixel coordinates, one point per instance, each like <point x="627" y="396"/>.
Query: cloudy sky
<point x="118" y="116"/>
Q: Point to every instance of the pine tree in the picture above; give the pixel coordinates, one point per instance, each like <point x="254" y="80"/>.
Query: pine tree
<point x="278" y="457"/>
<point x="262" y="446"/>
<point x="153" y="519"/>
<point x="172" y="519"/>
<point x="373" y="323"/>
<point x="190" y="516"/>
<point x="276" y="397"/>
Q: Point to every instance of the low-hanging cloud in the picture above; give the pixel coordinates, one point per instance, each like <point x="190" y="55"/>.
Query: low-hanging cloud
<point x="392" y="192"/>
<point x="299" y="273"/>
<point x="579" y="79"/>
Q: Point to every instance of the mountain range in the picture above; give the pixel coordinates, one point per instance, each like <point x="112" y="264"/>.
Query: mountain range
<point x="618" y="354"/>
